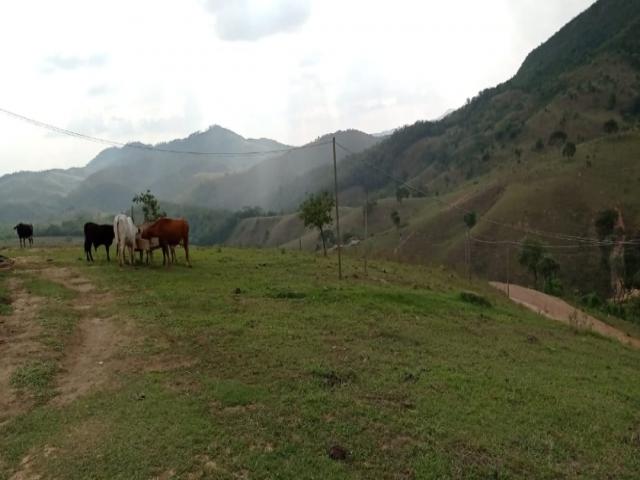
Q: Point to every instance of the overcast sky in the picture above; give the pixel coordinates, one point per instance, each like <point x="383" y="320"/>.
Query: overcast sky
<point x="291" y="70"/>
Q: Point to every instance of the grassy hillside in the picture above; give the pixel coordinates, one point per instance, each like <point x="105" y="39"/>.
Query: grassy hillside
<point x="505" y="155"/>
<point x="540" y="191"/>
<point x="254" y="364"/>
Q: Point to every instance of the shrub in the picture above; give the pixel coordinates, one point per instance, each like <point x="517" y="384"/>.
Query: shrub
<point x="611" y="126"/>
<point x="557" y="138"/>
<point x="474" y="299"/>
<point x="591" y="300"/>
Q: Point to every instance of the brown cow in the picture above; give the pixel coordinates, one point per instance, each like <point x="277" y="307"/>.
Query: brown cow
<point x="169" y="232"/>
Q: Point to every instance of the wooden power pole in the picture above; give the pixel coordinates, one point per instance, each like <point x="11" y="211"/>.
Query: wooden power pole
<point x="366" y="226"/>
<point x="508" y="275"/>
<point x="335" y="180"/>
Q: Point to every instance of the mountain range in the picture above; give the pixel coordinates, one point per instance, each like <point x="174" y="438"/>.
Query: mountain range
<point x="239" y="172"/>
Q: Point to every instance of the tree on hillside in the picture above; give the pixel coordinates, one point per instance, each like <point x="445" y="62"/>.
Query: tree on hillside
<point x="150" y="206"/>
<point x="611" y="126"/>
<point x="569" y="150"/>
<point x="530" y="256"/>
<point x="549" y="269"/>
<point x="470" y="221"/>
<point x="632" y="263"/>
<point x="315" y="211"/>
<point x="557" y="138"/>
<point x="402" y="192"/>
<point x="539" y="146"/>
<point x="395" y="218"/>
<point x="605" y="224"/>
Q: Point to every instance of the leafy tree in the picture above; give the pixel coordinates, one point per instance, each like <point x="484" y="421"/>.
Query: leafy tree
<point x="539" y="145"/>
<point x="402" y="192"/>
<point x="395" y="218"/>
<point x="315" y="211"/>
<point x="632" y="263"/>
<point x="548" y="267"/>
<point x="530" y="256"/>
<point x="470" y="220"/>
<point x="557" y="138"/>
<point x="605" y="223"/>
<point x="611" y="126"/>
<point x="569" y="150"/>
<point x="150" y="206"/>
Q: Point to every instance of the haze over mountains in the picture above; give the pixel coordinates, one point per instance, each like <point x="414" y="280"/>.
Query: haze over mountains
<point x="108" y="182"/>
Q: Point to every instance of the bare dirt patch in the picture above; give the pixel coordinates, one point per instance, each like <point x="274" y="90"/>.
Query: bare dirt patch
<point x="557" y="309"/>
<point x="19" y="334"/>
<point x="92" y="360"/>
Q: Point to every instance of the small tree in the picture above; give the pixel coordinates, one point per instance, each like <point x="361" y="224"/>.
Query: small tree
<point x="569" y="150"/>
<point x="611" y="126"/>
<point x="150" y="206"/>
<point x="402" y="192"/>
<point x="530" y="255"/>
<point x="395" y="218"/>
<point x="557" y="138"/>
<point x="470" y="221"/>
<point x="539" y="145"/>
<point x="315" y="211"/>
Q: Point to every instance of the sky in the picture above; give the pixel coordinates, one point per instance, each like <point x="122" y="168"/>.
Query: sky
<point x="290" y="70"/>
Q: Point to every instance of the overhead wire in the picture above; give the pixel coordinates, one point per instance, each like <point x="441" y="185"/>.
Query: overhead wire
<point x="140" y="146"/>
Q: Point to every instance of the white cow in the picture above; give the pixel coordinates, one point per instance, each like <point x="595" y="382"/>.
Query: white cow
<point x="125" y="236"/>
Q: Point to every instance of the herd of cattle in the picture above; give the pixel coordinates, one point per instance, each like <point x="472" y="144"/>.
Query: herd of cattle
<point x="164" y="233"/>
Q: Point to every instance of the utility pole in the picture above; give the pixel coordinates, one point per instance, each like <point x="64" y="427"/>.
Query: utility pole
<point x="335" y="180"/>
<point x="508" y="279"/>
<point x="468" y="254"/>
<point x="366" y="226"/>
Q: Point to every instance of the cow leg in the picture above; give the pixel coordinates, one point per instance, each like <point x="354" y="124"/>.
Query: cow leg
<point x="166" y="255"/>
<point x="186" y="250"/>
<point x="120" y="255"/>
<point x="106" y="247"/>
<point x="133" y="260"/>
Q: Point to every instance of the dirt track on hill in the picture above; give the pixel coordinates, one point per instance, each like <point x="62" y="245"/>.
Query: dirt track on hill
<point x="92" y="355"/>
<point x="556" y="309"/>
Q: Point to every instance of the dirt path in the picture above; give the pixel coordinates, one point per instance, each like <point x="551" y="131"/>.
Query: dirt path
<point x="19" y="334"/>
<point x="93" y="353"/>
<point x="94" y="356"/>
<point x="557" y="309"/>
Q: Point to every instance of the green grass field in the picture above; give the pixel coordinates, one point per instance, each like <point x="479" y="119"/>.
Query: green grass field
<point x="255" y="362"/>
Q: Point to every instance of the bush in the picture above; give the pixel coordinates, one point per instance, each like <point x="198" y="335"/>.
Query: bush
<point x="557" y="138"/>
<point x="553" y="286"/>
<point x="591" y="300"/>
<point x="611" y="126"/>
<point x="474" y="299"/>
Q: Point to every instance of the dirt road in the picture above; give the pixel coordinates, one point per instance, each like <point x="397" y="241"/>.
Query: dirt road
<point x="557" y="309"/>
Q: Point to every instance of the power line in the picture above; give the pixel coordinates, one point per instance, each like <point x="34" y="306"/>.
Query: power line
<point x="139" y="146"/>
<point x="583" y="241"/>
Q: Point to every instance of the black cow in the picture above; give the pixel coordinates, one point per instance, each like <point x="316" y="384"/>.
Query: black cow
<point x="25" y="232"/>
<point x="96" y="235"/>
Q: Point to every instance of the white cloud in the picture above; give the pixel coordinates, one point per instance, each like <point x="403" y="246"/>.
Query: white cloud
<point x="62" y="62"/>
<point x="254" y="19"/>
